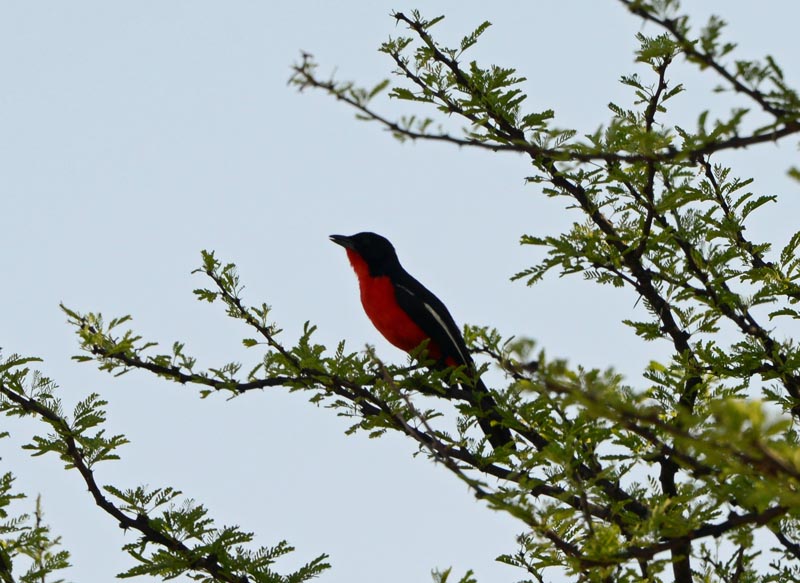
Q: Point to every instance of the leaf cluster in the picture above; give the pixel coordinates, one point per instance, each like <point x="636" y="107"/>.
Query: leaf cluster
<point x="176" y="536"/>
<point x="692" y="473"/>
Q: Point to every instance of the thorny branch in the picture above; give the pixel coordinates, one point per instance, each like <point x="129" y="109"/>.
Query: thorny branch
<point x="690" y="49"/>
<point x="140" y="523"/>
<point x="600" y="495"/>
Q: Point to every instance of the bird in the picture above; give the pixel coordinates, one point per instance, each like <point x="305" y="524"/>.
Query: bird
<point x="407" y="314"/>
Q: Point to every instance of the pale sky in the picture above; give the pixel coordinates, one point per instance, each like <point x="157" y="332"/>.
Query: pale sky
<point x="133" y="135"/>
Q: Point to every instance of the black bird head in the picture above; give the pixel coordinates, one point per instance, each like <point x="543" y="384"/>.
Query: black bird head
<point x="376" y="251"/>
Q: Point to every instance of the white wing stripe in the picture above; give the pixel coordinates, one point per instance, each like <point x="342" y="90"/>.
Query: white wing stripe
<point x="441" y="323"/>
<point x="464" y="359"/>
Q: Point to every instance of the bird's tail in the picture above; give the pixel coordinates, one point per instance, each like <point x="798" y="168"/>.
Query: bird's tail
<point x="489" y="420"/>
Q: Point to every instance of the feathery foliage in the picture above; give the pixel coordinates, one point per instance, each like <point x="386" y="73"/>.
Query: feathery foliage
<point x="691" y="475"/>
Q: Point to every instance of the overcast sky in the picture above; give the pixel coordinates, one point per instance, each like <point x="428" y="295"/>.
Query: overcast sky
<point x="133" y="135"/>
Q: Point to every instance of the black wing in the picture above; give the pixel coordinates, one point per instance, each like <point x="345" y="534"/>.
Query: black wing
<point x="435" y="320"/>
<point x="432" y="316"/>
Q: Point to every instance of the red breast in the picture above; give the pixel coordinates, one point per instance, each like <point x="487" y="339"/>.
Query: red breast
<point x="378" y="299"/>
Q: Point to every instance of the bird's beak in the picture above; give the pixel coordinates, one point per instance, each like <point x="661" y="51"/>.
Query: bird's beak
<point x="342" y="240"/>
